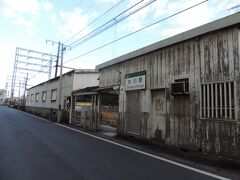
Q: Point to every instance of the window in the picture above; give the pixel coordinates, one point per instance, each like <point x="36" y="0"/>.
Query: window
<point x="44" y="95"/>
<point x="28" y="98"/>
<point x="37" y="97"/>
<point x="54" y="95"/>
<point x="32" y="97"/>
<point x="217" y="100"/>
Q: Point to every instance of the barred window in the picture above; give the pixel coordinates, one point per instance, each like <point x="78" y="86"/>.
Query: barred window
<point x="217" y="100"/>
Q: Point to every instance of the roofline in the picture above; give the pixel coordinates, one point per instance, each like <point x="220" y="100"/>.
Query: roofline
<point x="76" y="71"/>
<point x="206" y="28"/>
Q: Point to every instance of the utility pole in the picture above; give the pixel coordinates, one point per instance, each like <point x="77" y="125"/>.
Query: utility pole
<point x="63" y="48"/>
<point x="56" y="69"/>
<point x="25" y="88"/>
<point x="60" y="85"/>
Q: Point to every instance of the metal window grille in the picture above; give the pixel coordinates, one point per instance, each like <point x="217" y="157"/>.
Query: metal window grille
<point x="217" y="100"/>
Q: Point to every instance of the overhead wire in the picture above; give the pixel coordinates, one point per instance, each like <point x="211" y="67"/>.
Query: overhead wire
<point x="145" y="27"/>
<point x="64" y="21"/>
<point x="117" y="19"/>
<point x="95" y="20"/>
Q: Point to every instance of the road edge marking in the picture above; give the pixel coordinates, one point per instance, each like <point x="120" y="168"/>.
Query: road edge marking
<point x="148" y="154"/>
<point x="132" y="149"/>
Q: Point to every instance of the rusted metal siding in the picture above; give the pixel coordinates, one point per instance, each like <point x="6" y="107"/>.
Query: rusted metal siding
<point x="209" y="58"/>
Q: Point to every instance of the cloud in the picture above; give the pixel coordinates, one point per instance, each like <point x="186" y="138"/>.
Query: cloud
<point x="28" y="25"/>
<point x="54" y="18"/>
<point x="136" y="20"/>
<point x="107" y="1"/>
<point x="189" y="19"/>
<point x="47" y="5"/>
<point x="7" y="50"/>
<point x="194" y="17"/>
<point x="24" y="13"/>
<point x="73" y="22"/>
<point x="20" y="6"/>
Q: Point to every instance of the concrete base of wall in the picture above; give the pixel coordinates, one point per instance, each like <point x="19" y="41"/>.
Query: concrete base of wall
<point x="48" y="113"/>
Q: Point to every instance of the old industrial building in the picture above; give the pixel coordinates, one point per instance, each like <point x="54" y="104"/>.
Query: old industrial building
<point x="182" y="91"/>
<point x="43" y="100"/>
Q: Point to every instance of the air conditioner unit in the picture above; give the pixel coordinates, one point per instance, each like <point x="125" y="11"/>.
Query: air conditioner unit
<point x="178" y="88"/>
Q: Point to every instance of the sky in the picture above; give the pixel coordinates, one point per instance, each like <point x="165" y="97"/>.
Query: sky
<point x="29" y="23"/>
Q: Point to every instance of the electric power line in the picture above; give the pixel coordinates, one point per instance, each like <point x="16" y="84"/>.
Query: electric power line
<point x="95" y="20"/>
<point x="161" y="20"/>
<point x="108" y="23"/>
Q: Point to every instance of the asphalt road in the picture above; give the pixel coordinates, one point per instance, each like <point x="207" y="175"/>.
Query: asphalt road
<point x="32" y="149"/>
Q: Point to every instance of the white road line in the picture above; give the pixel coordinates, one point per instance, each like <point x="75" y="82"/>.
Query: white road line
<point x="148" y="154"/>
<point x="136" y="150"/>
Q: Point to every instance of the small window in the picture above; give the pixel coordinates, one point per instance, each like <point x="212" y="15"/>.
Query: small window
<point x="32" y="97"/>
<point x="44" y="95"/>
<point x="37" y="97"/>
<point x="217" y="100"/>
<point x="54" y="95"/>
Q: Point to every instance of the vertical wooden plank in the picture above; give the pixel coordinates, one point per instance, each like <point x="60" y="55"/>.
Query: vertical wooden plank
<point x="230" y="99"/>
<point x="212" y="101"/>
<point x="215" y="59"/>
<point x="160" y="67"/>
<point x="237" y="97"/>
<point x="197" y="71"/>
<point x="201" y="101"/>
<point x="208" y="100"/>
<point x="236" y="108"/>
<point x="211" y="58"/>
<point x="168" y="62"/>
<point x="220" y="55"/>
<point x="202" y="71"/>
<point x="176" y="68"/>
<point x="204" y="101"/>
<point x="225" y="56"/>
<point x="230" y="54"/>
<point x="216" y="100"/>
<point x="163" y="67"/>
<point x="225" y="99"/>
<point x="172" y="68"/>
<point x="220" y="95"/>
<point x="156" y="70"/>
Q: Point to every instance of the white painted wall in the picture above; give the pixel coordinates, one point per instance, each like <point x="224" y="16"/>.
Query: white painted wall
<point x="71" y="81"/>
<point x="85" y="79"/>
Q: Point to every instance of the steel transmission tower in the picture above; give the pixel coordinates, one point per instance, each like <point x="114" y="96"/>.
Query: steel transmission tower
<point x="26" y="61"/>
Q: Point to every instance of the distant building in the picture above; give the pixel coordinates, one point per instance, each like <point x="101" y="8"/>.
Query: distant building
<point x="182" y="91"/>
<point x="42" y="99"/>
<point x="3" y="96"/>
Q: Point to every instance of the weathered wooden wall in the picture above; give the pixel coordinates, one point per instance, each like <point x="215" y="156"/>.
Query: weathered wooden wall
<point x="209" y="58"/>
